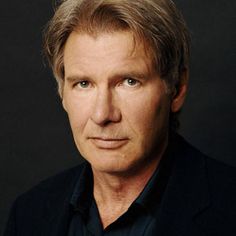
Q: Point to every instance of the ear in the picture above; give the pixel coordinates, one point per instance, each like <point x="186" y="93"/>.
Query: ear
<point x="179" y="96"/>
<point x="64" y="104"/>
<point x="61" y="94"/>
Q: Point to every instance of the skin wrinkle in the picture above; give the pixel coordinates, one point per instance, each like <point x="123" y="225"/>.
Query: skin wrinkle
<point x="118" y="99"/>
<point x="120" y="128"/>
<point x="157" y="25"/>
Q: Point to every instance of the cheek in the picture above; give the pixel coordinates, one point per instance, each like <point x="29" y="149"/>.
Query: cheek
<point x="146" y="112"/>
<point x="78" y="110"/>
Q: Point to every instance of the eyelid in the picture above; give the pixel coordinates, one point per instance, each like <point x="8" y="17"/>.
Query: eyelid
<point x="78" y="83"/>
<point x="137" y="81"/>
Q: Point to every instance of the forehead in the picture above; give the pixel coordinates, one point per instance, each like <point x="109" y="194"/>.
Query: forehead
<point x="119" y="48"/>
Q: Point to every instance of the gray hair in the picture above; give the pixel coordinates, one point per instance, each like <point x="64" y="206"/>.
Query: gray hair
<point x="157" y="23"/>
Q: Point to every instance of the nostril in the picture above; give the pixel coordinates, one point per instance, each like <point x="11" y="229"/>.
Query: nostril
<point x="106" y="123"/>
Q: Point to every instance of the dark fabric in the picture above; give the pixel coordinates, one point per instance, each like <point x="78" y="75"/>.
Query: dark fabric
<point x="137" y="218"/>
<point x="199" y="200"/>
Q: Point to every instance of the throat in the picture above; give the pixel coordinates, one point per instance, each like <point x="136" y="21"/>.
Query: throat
<point x="115" y="194"/>
<point x="109" y="214"/>
<point x="112" y="203"/>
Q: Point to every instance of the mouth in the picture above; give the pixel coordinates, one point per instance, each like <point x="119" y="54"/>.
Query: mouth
<point x="108" y="143"/>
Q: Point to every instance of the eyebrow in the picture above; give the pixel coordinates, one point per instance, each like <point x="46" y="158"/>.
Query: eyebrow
<point x="74" y="78"/>
<point x="132" y="74"/>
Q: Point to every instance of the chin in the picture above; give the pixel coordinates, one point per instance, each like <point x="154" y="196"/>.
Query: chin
<point x="117" y="165"/>
<point x="111" y="163"/>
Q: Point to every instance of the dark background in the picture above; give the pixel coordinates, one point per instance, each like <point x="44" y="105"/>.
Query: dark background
<point x="35" y="138"/>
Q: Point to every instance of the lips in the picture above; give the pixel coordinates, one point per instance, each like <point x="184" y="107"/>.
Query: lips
<point x="108" y="143"/>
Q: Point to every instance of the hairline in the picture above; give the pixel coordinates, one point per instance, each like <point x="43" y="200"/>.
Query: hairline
<point x="147" y="48"/>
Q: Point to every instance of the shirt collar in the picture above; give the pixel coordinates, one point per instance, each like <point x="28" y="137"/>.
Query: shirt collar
<point x="82" y="195"/>
<point x="150" y="196"/>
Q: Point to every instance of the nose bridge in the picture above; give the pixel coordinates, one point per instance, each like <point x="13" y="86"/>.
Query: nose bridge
<point x="104" y="109"/>
<point x="104" y="98"/>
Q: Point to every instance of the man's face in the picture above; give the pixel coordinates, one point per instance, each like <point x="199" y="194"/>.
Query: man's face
<point x="117" y="105"/>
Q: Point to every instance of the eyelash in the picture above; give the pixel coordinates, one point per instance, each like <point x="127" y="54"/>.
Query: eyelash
<point x="81" y="82"/>
<point x="126" y="81"/>
<point x="131" y="80"/>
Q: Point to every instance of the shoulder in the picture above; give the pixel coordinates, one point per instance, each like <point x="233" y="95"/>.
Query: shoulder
<point x="215" y="169"/>
<point x="220" y="215"/>
<point x="218" y="177"/>
<point x="208" y="188"/>
<point x="217" y="172"/>
<point x="58" y="184"/>
<point x="33" y="207"/>
<point x="222" y="184"/>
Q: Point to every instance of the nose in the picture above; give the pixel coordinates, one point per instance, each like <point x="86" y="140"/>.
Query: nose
<point x="104" y="110"/>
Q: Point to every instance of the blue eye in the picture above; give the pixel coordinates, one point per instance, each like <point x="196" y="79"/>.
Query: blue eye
<point x="83" y="84"/>
<point x="131" y="82"/>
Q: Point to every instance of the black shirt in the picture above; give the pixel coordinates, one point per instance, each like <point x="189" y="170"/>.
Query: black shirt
<point x="140" y="219"/>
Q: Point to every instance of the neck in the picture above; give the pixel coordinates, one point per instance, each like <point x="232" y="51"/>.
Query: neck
<point x="121" y="189"/>
<point x="114" y="193"/>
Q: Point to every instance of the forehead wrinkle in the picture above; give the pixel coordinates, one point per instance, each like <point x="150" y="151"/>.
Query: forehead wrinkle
<point x="135" y="51"/>
<point x="136" y="41"/>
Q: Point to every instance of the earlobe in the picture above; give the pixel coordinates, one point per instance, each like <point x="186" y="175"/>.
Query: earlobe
<point x="180" y="94"/>
<point x="60" y="89"/>
<point x="61" y="93"/>
<point x="64" y="104"/>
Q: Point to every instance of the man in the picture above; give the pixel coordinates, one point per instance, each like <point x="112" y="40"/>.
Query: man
<point x="122" y="71"/>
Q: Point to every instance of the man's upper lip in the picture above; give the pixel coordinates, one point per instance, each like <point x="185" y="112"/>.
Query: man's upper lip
<point x="107" y="138"/>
